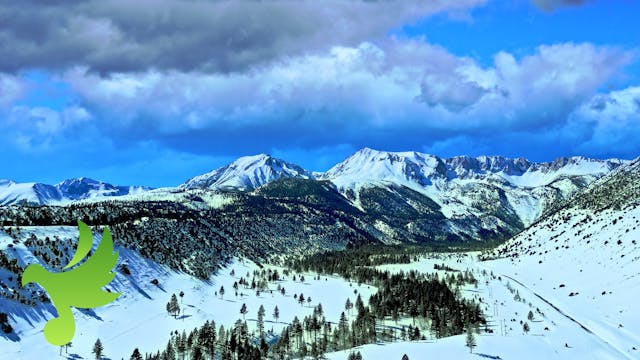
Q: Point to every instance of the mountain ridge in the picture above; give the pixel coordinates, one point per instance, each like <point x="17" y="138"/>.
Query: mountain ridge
<point x="69" y="190"/>
<point x="388" y="196"/>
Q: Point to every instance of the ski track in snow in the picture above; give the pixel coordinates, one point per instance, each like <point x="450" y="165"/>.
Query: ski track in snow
<point x="563" y="313"/>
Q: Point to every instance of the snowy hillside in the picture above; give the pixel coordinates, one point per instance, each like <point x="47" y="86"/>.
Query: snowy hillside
<point x="247" y="173"/>
<point x="139" y="319"/>
<point x="64" y="192"/>
<point x="585" y="258"/>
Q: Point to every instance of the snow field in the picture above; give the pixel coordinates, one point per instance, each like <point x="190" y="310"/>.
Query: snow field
<point x="139" y="317"/>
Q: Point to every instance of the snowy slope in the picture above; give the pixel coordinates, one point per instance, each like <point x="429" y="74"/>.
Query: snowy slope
<point x="555" y="333"/>
<point x="585" y="258"/>
<point x="69" y="190"/>
<point x="139" y="317"/>
<point x="247" y="173"/>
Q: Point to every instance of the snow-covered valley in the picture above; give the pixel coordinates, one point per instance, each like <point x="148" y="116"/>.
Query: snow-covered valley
<point x="598" y="322"/>
<point x="565" y="287"/>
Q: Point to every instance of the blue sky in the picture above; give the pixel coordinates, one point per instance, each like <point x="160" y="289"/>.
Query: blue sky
<point x="160" y="91"/>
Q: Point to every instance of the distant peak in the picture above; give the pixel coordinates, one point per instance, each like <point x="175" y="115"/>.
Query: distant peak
<point x="79" y="180"/>
<point x="367" y="150"/>
<point x="257" y="156"/>
<point x="248" y="172"/>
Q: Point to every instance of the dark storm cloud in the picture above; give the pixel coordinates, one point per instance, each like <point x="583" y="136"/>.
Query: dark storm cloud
<point x="215" y="35"/>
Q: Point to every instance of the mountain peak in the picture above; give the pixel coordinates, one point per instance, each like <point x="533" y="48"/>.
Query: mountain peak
<point x="247" y="173"/>
<point x="79" y="180"/>
<point x="368" y="165"/>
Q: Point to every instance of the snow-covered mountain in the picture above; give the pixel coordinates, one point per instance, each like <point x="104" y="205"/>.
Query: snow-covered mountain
<point x="12" y="192"/>
<point x="368" y="166"/>
<point x="247" y="173"/>
<point x="464" y="185"/>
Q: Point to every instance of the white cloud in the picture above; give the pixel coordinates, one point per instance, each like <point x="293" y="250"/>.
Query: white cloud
<point x="11" y="89"/>
<point x="36" y="129"/>
<point x="396" y="84"/>
<point x="612" y="120"/>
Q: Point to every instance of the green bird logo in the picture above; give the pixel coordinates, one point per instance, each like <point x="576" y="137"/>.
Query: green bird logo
<point x="80" y="287"/>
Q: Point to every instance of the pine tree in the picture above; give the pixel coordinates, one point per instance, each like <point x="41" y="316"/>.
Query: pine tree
<point x="276" y="313"/>
<point x="173" y="307"/>
<point x="348" y="306"/>
<point x="221" y="292"/>
<point x="301" y="299"/>
<point x="264" y="347"/>
<point x="405" y="357"/>
<point x="344" y="329"/>
<point x="261" y="313"/>
<point x="359" y="304"/>
<point x="98" y="349"/>
<point x="530" y="316"/>
<point x="169" y="352"/>
<point x="525" y="328"/>
<point x="181" y="343"/>
<point x="243" y="310"/>
<point x="470" y="341"/>
<point x="136" y="355"/>
<point x="315" y="351"/>
<point x="207" y="338"/>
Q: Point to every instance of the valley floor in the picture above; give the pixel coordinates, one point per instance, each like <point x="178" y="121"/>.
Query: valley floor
<point x="584" y="326"/>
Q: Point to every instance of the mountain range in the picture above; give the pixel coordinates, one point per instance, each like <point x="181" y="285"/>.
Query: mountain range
<point x="372" y="196"/>
<point x="12" y="193"/>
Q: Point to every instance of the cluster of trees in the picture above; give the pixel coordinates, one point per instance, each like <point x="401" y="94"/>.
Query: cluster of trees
<point x="416" y="295"/>
<point x="424" y="296"/>
<point x="314" y="335"/>
<point x="341" y="261"/>
<point x="55" y="253"/>
<point x="10" y="286"/>
<point x="208" y="343"/>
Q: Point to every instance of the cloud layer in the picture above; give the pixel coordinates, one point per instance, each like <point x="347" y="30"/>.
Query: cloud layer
<point x="352" y="95"/>
<point x="395" y="92"/>
<point x="192" y="35"/>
